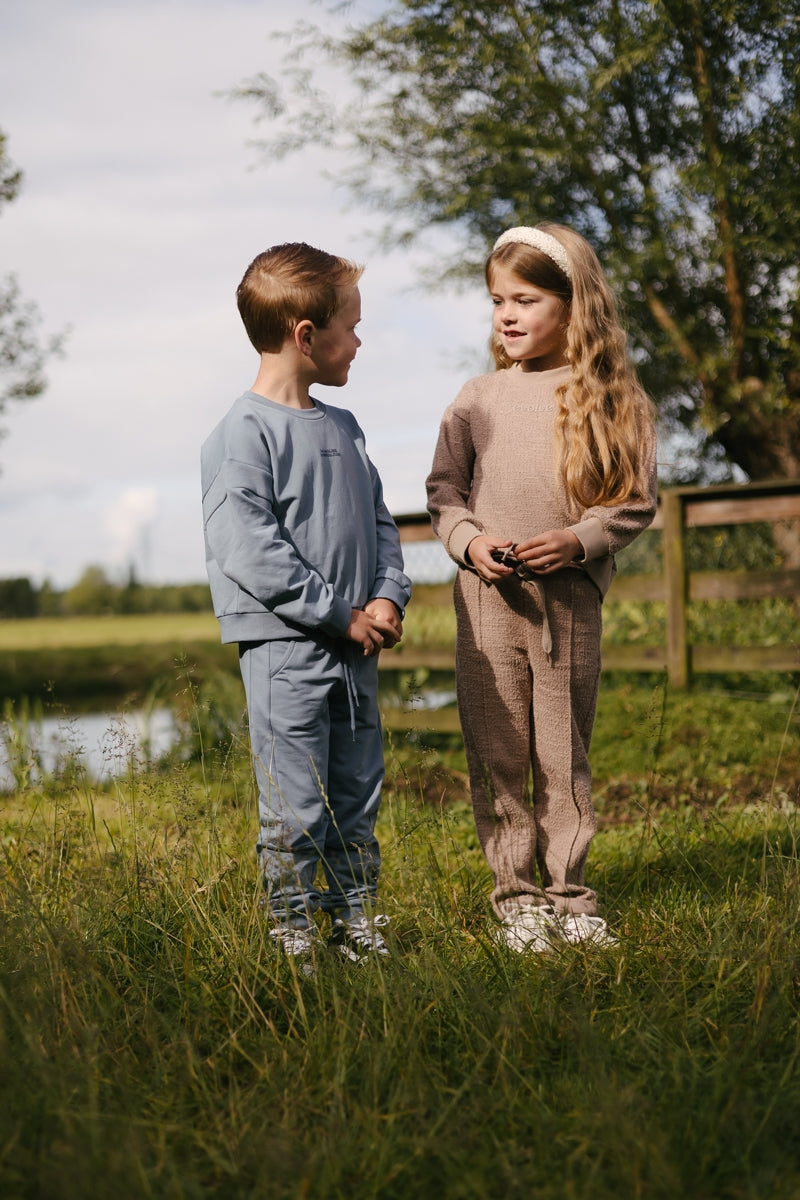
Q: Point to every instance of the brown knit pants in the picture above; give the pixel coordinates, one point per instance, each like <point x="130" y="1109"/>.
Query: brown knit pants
<point x="527" y="722"/>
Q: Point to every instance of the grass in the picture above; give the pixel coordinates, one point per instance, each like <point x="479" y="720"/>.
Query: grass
<point x="94" y="663"/>
<point x="709" y="748"/>
<point x="430" y="621"/>
<point x="59" y="633"/>
<point x="154" y="1044"/>
<point x="113" y="661"/>
<point x="770" y="621"/>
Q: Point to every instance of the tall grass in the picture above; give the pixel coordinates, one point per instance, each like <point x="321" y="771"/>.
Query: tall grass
<point x="154" y="1043"/>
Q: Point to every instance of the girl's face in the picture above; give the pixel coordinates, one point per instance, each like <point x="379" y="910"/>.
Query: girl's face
<point x="530" y="323"/>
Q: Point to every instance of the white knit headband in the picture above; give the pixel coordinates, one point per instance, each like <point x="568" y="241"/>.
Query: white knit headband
<point x="540" y="241"/>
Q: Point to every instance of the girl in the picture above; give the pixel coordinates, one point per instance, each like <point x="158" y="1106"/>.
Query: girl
<point x="542" y="472"/>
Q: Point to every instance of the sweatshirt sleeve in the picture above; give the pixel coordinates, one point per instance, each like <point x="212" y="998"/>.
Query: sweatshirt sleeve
<point x="450" y="481"/>
<point x="391" y="581"/>
<point x="244" y="539"/>
<point x="602" y="531"/>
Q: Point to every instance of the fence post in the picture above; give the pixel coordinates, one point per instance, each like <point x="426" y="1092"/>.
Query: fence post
<point x="676" y="587"/>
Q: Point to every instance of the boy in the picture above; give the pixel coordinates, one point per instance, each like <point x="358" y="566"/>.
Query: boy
<point x="307" y="576"/>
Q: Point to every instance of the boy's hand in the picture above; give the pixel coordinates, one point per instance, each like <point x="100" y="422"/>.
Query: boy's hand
<point x="549" y="551"/>
<point x="387" y="612"/>
<point x="368" y="632"/>
<point x="479" y="553"/>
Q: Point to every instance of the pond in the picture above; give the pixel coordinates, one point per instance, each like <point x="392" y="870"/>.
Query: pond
<point x="104" y="743"/>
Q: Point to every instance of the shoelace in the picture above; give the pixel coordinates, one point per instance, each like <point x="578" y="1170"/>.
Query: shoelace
<point x="364" y="930"/>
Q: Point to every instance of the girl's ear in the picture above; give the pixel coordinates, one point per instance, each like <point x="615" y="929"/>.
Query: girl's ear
<point x="304" y="336"/>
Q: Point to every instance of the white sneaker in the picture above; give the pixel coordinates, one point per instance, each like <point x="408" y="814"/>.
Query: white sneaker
<point x="534" y="927"/>
<point x="356" y="938"/>
<point x="295" y="940"/>
<point x="580" y="927"/>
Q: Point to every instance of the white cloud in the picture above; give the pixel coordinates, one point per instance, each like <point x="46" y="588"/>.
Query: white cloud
<point x="129" y="522"/>
<point x="142" y="205"/>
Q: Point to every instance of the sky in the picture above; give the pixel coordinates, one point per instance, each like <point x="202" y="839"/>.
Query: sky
<point x="144" y="199"/>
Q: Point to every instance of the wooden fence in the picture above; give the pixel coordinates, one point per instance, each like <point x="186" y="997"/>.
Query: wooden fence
<point x="680" y="509"/>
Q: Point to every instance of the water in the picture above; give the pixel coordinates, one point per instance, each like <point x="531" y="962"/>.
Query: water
<point x="103" y="743"/>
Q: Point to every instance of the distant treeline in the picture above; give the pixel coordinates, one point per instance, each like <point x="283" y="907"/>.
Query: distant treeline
<point x="96" y="595"/>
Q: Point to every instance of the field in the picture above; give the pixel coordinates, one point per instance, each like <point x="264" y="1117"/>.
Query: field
<point x="154" y="1044"/>
<point x="100" y="662"/>
<point x="55" y="633"/>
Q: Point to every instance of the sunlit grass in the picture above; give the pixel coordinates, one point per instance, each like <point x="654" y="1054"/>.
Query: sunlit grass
<point x="134" y="630"/>
<point x="766" y="622"/>
<point x="153" y="1043"/>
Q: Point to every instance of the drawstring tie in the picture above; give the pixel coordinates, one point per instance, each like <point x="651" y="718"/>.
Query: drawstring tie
<point x="547" y="640"/>
<point x="508" y="556"/>
<point x="352" y="694"/>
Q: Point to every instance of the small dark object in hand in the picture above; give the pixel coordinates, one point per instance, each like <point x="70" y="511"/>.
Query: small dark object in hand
<point x="508" y="558"/>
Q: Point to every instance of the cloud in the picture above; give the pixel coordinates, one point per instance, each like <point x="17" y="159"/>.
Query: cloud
<point x="142" y="205"/>
<point x="129" y="522"/>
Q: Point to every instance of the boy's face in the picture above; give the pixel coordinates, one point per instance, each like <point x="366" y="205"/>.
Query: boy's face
<point x="334" y="347"/>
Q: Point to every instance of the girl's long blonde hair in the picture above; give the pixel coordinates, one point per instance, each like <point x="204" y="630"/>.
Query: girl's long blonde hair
<point x="603" y="410"/>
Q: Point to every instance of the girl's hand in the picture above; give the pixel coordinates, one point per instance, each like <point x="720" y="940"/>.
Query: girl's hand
<point x="550" y="551"/>
<point x="479" y="553"/>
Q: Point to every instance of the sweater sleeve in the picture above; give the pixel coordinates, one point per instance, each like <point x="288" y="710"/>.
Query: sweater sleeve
<point x="450" y="481"/>
<point x="391" y="582"/>
<point x="245" y="539"/>
<point x="602" y="530"/>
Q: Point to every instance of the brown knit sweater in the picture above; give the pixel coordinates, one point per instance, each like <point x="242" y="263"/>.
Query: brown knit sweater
<point x="494" y="473"/>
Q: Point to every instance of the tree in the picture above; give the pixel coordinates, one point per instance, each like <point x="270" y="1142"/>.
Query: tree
<point x="665" y="131"/>
<point x="93" y="594"/>
<point x="22" y="352"/>
<point x="17" y="598"/>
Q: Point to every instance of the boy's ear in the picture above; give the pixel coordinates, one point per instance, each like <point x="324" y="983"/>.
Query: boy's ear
<point x="304" y="336"/>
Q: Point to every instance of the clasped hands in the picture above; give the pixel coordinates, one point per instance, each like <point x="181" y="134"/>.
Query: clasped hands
<point x="543" y="554"/>
<point x="375" y="627"/>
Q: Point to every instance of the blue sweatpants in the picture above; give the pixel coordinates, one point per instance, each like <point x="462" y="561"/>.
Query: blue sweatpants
<point x="317" y="746"/>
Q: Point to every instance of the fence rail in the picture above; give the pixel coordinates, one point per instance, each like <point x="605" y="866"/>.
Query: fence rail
<point x="680" y="509"/>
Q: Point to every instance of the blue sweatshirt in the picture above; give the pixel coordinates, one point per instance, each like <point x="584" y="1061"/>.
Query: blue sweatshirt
<point x="297" y="532"/>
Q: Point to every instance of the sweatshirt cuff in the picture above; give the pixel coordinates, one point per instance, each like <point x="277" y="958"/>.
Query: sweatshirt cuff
<point x="460" y="539"/>
<point x="393" y="586"/>
<point x="592" y="537"/>
<point x="339" y="617"/>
